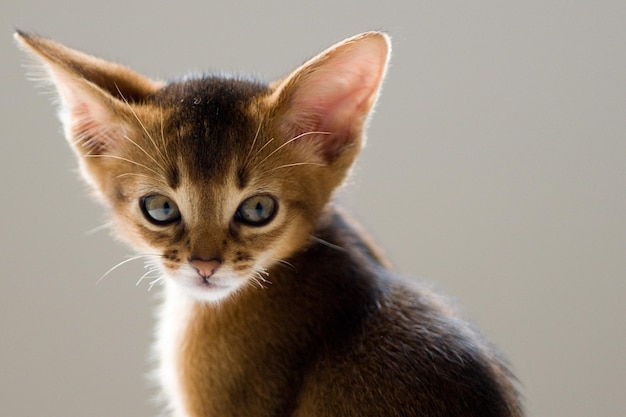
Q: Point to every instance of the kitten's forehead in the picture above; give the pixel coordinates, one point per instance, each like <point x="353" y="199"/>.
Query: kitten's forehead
<point x="209" y="121"/>
<point x="210" y="98"/>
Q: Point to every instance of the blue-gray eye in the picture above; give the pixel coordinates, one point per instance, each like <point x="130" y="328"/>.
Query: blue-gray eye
<point x="159" y="209"/>
<point x="257" y="210"/>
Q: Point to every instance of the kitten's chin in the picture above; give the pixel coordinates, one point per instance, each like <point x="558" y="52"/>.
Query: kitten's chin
<point x="210" y="295"/>
<point x="212" y="290"/>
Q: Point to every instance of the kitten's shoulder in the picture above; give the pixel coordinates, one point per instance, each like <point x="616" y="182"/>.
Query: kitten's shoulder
<point x="413" y="345"/>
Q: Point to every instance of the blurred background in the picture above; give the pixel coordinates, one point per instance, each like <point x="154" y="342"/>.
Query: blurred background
<point x="495" y="167"/>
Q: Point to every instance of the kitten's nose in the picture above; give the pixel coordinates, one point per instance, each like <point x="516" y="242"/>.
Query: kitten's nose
<point x="206" y="268"/>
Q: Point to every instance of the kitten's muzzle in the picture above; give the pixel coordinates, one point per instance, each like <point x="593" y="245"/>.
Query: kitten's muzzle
<point x="206" y="267"/>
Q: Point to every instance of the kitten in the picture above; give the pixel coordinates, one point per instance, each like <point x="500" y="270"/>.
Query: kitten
<point x="276" y="303"/>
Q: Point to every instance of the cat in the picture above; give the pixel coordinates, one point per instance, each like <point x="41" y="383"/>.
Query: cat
<point x="276" y="302"/>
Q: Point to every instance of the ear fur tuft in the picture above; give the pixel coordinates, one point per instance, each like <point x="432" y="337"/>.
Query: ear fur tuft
<point x="94" y="93"/>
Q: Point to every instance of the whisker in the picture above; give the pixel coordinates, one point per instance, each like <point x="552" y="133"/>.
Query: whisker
<point x="295" y="164"/>
<point x="144" y="151"/>
<point x="159" y="279"/>
<point x="133" y="174"/>
<point x="97" y="229"/>
<point x="124" y="262"/>
<point x="283" y="262"/>
<point x="263" y="147"/>
<point x="256" y="282"/>
<point x="259" y="280"/>
<point x="139" y="121"/>
<point x="292" y="140"/>
<point x="256" y="136"/>
<point x="161" y="119"/>
<point x="144" y="276"/>
<point x="326" y="243"/>
<point x="259" y="277"/>
<point x="123" y="159"/>
<point x="152" y="268"/>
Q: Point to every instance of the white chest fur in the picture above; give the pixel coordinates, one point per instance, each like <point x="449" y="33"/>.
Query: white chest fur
<point x="174" y="319"/>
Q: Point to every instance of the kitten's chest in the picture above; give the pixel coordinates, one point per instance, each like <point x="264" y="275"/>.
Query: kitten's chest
<point x="193" y="356"/>
<point x="216" y="366"/>
<point x="172" y="327"/>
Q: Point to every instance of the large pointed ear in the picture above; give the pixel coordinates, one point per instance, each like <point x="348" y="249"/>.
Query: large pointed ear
<point x="95" y="94"/>
<point x="334" y="93"/>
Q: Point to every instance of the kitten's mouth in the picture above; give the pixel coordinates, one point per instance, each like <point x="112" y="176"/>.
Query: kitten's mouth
<point x="208" y="282"/>
<point x="206" y="289"/>
<point x="212" y="288"/>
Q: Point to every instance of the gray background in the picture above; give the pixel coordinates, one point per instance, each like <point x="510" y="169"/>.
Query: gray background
<point x="495" y="167"/>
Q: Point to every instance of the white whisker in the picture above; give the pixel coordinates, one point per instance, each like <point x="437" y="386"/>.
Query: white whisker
<point x="167" y="155"/>
<point x="290" y="141"/>
<point x="153" y="269"/>
<point x="256" y="136"/>
<point x="142" y="277"/>
<point x="295" y="164"/>
<point x="140" y="122"/>
<point x="264" y="146"/>
<point x="326" y="243"/>
<point x="144" y="151"/>
<point x="97" y="229"/>
<point x="283" y="262"/>
<point x="124" y="262"/>
<point x="259" y="277"/>
<point x="134" y="174"/>
<point x="157" y="280"/>
<point x="125" y="160"/>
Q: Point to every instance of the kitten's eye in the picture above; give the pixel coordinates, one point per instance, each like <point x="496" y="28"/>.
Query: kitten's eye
<point x="159" y="209"/>
<point x="257" y="210"/>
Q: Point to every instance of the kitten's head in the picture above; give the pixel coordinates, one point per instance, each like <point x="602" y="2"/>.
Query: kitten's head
<point x="219" y="178"/>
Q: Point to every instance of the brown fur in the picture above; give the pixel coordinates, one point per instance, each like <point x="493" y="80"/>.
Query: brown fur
<point x="317" y="325"/>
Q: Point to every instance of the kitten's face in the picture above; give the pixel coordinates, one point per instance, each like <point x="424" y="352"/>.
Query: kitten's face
<point x="215" y="203"/>
<point x="217" y="180"/>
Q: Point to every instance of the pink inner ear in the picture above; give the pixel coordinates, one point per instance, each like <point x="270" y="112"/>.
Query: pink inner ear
<point x="335" y="93"/>
<point x="335" y="107"/>
<point x="90" y="122"/>
<point x="343" y="121"/>
<point x="91" y="128"/>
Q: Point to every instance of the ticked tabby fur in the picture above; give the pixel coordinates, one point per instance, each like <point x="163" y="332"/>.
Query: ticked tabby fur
<point x="276" y="303"/>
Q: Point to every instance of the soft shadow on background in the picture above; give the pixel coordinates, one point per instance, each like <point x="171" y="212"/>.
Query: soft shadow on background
<point x="495" y="167"/>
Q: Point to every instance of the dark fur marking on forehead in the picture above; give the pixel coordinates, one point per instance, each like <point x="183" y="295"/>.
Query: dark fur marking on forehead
<point x="211" y="121"/>
<point x="242" y="178"/>
<point x="173" y="177"/>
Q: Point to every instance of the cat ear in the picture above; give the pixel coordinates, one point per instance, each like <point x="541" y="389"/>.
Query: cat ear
<point x="95" y="94"/>
<point x="334" y="93"/>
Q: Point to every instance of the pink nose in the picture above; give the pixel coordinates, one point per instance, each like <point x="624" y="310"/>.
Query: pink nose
<point x="206" y="268"/>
